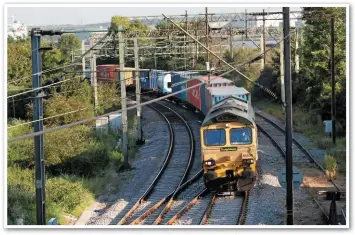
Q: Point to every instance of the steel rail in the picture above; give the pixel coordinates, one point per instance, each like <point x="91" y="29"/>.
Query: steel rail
<point x="155" y="181"/>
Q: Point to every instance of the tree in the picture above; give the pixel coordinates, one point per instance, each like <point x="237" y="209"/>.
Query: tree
<point x="19" y="63"/>
<point x="315" y="73"/>
<point x="68" y="43"/>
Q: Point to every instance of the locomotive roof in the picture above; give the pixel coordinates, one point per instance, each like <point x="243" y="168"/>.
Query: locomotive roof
<point x="231" y="107"/>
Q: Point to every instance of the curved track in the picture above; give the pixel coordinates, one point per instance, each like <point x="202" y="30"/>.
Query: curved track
<point x="268" y="127"/>
<point x="171" y="175"/>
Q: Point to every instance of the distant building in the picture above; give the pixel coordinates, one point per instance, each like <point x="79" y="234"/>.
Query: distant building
<point x="17" y="29"/>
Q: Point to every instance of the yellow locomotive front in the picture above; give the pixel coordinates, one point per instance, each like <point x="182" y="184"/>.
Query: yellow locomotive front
<point x="229" y="146"/>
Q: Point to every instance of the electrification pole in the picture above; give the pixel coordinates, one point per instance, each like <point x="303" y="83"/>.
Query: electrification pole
<point x="38" y="126"/>
<point x="83" y="59"/>
<point x="96" y="102"/>
<point x="138" y="92"/>
<point x="186" y="27"/>
<point x="333" y="78"/>
<point x="123" y="100"/>
<point x="262" y="51"/>
<point x="208" y="54"/>
<point x="288" y="96"/>
<point x="282" y="74"/>
<point x="297" y="57"/>
<point x="231" y="43"/>
<point x="263" y="48"/>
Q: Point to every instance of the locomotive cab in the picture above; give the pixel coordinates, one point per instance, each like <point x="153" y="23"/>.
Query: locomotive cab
<point x="229" y="146"/>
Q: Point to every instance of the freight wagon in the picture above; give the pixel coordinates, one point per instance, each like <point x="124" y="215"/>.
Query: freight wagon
<point x="111" y="73"/>
<point x="216" y="94"/>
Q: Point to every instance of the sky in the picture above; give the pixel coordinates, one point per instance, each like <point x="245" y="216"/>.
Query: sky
<point x="89" y="15"/>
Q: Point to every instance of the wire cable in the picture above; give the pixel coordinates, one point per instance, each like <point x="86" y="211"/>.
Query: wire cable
<point x="100" y="116"/>
<point x="59" y="115"/>
<point x="39" y="88"/>
<point x="45" y="71"/>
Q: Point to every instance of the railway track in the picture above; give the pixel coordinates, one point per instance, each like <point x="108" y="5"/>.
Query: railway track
<point x="226" y="210"/>
<point x="172" y="174"/>
<point x="273" y="131"/>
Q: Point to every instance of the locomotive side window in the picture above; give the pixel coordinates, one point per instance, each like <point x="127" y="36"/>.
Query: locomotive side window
<point x="215" y="137"/>
<point x="169" y="84"/>
<point x="241" y="136"/>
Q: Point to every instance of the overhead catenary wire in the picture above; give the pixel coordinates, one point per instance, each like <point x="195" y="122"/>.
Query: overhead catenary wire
<point x="59" y="115"/>
<point x="100" y="116"/>
<point x="66" y="65"/>
<point x="39" y="88"/>
<point x="268" y="91"/>
<point x="256" y="56"/>
<point x="45" y="71"/>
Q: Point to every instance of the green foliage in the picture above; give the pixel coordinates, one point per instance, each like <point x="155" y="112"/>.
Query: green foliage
<point x="22" y="149"/>
<point x="59" y="104"/>
<point x="315" y="61"/>
<point x="108" y="98"/>
<point x="126" y="24"/>
<point x="63" y="195"/>
<point x="19" y="63"/>
<point x="68" y="43"/>
<point x="331" y="166"/>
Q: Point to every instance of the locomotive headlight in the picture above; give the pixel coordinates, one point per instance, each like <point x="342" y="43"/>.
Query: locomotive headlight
<point x="210" y="162"/>
<point x="249" y="161"/>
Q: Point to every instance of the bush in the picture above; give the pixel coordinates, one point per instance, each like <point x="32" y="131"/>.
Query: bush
<point x="23" y="149"/>
<point x="60" y="104"/>
<point x="331" y="166"/>
<point x="69" y="194"/>
<point x="63" y="195"/>
<point x="324" y="143"/>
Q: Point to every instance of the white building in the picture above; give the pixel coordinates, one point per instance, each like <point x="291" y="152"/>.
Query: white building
<point x="17" y="29"/>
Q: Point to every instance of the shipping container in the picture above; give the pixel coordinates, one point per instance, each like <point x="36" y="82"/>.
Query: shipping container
<point x="178" y="84"/>
<point x="153" y="80"/>
<point x="128" y="76"/>
<point x="193" y="94"/>
<point x="204" y="108"/>
<point x="216" y="94"/>
<point x="164" y="82"/>
<point x="106" y="72"/>
<point x="217" y="81"/>
<point x="145" y="80"/>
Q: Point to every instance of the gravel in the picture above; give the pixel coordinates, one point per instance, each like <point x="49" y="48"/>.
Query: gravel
<point x="267" y="199"/>
<point x="145" y="167"/>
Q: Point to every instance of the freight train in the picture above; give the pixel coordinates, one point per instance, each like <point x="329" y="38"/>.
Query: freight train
<point x="228" y="131"/>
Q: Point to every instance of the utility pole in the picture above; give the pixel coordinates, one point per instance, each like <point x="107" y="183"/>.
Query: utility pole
<point x="288" y="96"/>
<point x="196" y="48"/>
<point x="297" y="57"/>
<point x="246" y="26"/>
<point x="83" y="59"/>
<point x="208" y="54"/>
<point x="332" y="35"/>
<point x="155" y="61"/>
<point x="262" y="44"/>
<point x="38" y="126"/>
<point x="123" y="100"/>
<point x="91" y="64"/>
<point x="186" y="28"/>
<point x="96" y="102"/>
<point x="282" y="74"/>
<point x="138" y="92"/>
<point x="231" y="43"/>
<point x="262" y="51"/>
